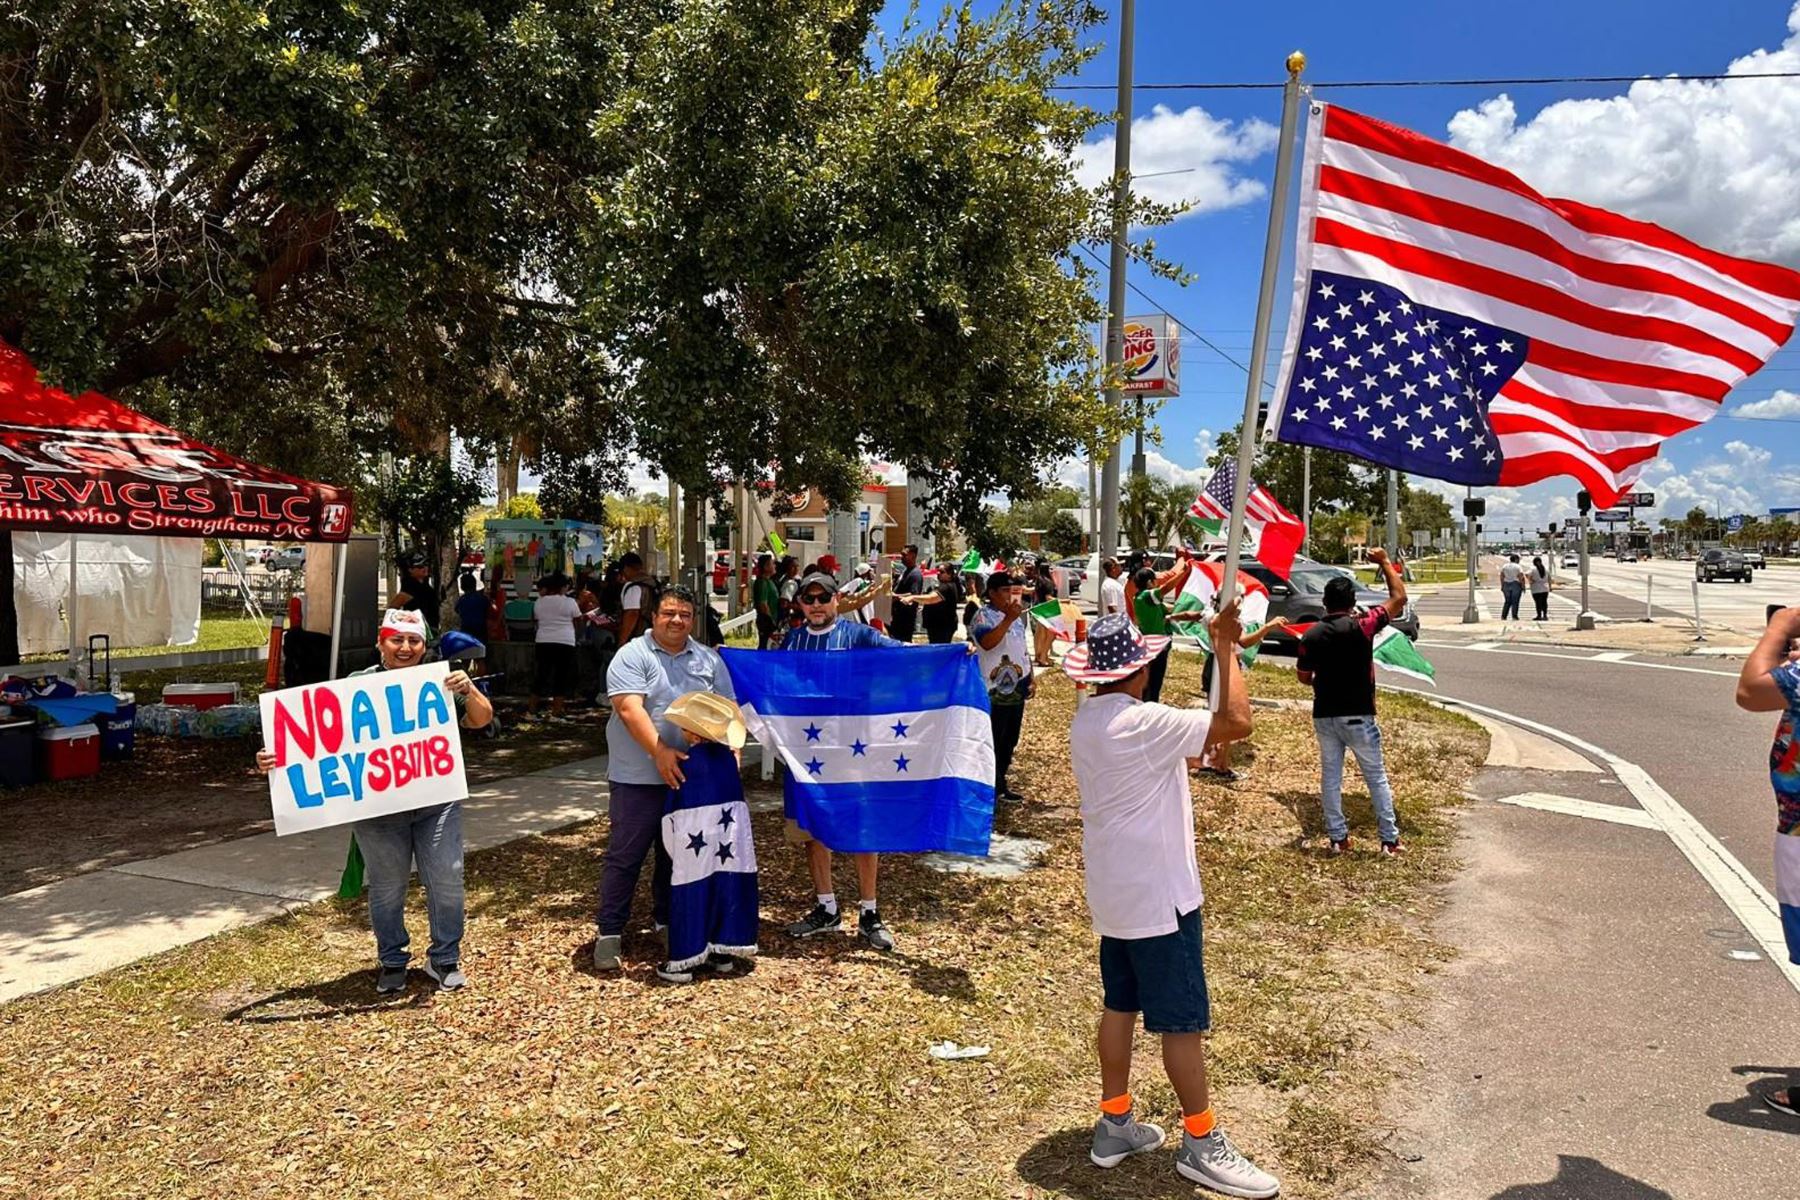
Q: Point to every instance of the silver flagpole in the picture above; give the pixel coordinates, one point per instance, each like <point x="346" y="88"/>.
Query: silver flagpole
<point x="1259" y="341"/>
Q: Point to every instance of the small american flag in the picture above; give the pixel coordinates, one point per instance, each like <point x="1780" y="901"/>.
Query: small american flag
<point x="1277" y="531"/>
<point x="1451" y="322"/>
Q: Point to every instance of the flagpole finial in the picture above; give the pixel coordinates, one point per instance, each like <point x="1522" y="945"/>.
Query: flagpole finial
<point x="1296" y="63"/>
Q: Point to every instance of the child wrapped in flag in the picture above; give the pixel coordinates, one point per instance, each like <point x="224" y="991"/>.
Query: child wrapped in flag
<point x="706" y="831"/>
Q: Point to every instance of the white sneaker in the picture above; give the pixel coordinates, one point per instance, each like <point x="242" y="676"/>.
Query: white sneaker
<point x="1114" y="1143"/>
<point x="1213" y="1162"/>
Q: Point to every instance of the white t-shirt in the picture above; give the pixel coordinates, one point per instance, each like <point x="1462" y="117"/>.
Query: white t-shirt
<point x="1512" y="572"/>
<point x="631" y="598"/>
<point x="556" y="617"/>
<point x="1006" y="669"/>
<point x="1137" y="814"/>
<point x="1112" y="596"/>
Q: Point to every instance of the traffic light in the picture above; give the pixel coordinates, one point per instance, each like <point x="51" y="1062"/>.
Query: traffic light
<point x="1583" y="501"/>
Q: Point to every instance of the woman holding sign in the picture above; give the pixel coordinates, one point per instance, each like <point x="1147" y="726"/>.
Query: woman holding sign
<point x="430" y="836"/>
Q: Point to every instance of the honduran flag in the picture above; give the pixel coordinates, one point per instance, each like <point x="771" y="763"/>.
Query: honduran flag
<point x="706" y="831"/>
<point x="1787" y="889"/>
<point x="887" y="750"/>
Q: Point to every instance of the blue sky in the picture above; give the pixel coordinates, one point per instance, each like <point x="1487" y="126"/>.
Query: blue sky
<point x="1718" y="162"/>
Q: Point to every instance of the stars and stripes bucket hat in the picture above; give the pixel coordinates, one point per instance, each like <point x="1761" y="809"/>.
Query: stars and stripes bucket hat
<point x="1114" y="650"/>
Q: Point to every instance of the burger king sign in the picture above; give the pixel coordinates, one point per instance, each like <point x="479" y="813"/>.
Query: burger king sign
<point x="1152" y="356"/>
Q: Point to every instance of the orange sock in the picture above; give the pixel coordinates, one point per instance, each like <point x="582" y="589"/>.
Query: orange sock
<point x="1117" y="1106"/>
<point x="1200" y="1124"/>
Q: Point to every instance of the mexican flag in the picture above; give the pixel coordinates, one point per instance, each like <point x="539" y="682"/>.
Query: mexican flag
<point x="1394" y="651"/>
<point x="1058" y="616"/>
<point x="1203" y="583"/>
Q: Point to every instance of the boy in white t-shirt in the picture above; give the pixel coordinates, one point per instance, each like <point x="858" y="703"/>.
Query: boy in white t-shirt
<point x="557" y="614"/>
<point x="1143" y="887"/>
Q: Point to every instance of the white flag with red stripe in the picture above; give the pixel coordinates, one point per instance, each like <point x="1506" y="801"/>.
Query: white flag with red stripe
<point x="1450" y="321"/>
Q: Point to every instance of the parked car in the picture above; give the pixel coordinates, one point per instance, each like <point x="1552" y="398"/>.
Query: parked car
<point x="287" y="558"/>
<point x="1572" y="561"/>
<point x="1073" y="573"/>
<point x="1626" y="556"/>
<point x="1714" y="564"/>
<point x="1754" y="558"/>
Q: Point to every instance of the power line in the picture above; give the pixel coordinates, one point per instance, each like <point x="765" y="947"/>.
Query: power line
<point x="1519" y="81"/>
<point x="1179" y="323"/>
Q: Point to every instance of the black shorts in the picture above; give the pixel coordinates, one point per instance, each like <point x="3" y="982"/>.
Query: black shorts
<point x="555" y="670"/>
<point x="1163" y="977"/>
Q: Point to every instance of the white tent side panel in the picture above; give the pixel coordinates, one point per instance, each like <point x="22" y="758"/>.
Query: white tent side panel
<point x="139" y="591"/>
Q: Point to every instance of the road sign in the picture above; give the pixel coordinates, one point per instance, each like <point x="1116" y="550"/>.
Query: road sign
<point x="1638" y="499"/>
<point x="1612" y="516"/>
<point x="1421" y="538"/>
<point x="1734" y="524"/>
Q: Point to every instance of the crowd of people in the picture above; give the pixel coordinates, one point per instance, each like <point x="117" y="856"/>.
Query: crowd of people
<point x="1142" y="878"/>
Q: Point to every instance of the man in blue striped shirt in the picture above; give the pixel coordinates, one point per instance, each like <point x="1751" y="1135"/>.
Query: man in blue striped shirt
<point x="823" y="631"/>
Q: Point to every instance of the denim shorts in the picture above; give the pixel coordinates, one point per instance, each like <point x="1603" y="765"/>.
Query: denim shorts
<point x="1163" y="977"/>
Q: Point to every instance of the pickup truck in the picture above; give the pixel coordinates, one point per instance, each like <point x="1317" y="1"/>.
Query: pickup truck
<point x="1721" y="564"/>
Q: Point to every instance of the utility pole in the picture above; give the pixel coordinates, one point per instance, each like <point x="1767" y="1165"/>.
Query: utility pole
<point x="1115" y="292"/>
<point x="1585" y="618"/>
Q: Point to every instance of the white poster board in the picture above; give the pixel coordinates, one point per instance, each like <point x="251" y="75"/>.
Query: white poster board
<point x="362" y="747"/>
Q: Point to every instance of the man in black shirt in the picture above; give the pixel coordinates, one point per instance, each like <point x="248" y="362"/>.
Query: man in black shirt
<point x="1337" y="657"/>
<point x="910" y="583"/>
<point x="417" y="592"/>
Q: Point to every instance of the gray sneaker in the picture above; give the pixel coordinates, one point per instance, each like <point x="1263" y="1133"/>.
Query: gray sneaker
<point x="606" y="952"/>
<point x="1114" y="1143"/>
<point x="390" y="980"/>
<point x="449" y="977"/>
<point x="1213" y="1162"/>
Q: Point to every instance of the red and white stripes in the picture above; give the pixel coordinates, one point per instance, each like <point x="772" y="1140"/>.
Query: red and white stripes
<point x="1636" y="334"/>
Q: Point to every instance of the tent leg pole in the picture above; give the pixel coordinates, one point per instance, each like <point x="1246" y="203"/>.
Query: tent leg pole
<point x="338" y="560"/>
<point x="73" y="605"/>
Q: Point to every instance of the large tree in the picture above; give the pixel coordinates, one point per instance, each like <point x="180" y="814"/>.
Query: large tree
<point x="735" y="237"/>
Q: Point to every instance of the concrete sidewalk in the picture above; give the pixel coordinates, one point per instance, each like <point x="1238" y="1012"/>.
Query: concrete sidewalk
<point x="86" y="924"/>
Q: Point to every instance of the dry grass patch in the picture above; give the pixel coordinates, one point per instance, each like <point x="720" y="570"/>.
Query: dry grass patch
<point x="260" y="1064"/>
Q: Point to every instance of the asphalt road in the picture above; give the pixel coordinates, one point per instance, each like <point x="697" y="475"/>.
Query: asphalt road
<point x="1674" y="717"/>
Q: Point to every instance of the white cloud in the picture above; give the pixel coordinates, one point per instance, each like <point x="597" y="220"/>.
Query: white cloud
<point x="1717" y="162"/>
<point x="1748" y="456"/>
<point x="1783" y="405"/>
<point x="1188" y="157"/>
<point x="1162" y="466"/>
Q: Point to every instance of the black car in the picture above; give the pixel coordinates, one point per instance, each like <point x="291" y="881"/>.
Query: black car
<point x="1721" y="564"/>
<point x="1301" y="598"/>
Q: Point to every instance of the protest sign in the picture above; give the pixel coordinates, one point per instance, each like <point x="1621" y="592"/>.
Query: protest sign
<point x="362" y="747"/>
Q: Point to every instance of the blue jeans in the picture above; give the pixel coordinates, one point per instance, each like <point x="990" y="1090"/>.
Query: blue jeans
<point x="390" y="845"/>
<point x="1363" y="738"/>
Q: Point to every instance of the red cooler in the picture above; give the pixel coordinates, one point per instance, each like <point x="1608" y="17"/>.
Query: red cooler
<point x="69" y="752"/>
<point x="200" y="695"/>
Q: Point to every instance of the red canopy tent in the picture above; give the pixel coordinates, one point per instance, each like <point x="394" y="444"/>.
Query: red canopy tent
<point x="88" y="464"/>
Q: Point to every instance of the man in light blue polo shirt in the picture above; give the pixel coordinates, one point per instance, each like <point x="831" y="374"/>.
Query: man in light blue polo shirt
<point x="644" y="752"/>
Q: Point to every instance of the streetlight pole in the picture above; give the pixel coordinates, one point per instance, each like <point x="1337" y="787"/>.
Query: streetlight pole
<point x="1115" y="292"/>
<point x="1393" y="513"/>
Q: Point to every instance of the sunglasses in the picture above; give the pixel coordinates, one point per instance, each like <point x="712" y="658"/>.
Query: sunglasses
<point x="816" y="598"/>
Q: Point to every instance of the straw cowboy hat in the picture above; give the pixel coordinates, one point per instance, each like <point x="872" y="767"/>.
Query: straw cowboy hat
<point x="1114" y="650"/>
<point x="709" y="715"/>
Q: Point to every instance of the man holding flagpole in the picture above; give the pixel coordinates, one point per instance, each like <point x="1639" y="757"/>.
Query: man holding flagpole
<point x="1143" y="888"/>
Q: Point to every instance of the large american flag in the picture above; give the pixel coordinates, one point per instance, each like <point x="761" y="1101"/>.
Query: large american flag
<point x="1451" y="322"/>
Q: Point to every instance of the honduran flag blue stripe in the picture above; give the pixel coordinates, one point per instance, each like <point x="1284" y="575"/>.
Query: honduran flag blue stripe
<point x="947" y="813"/>
<point x="807" y="683"/>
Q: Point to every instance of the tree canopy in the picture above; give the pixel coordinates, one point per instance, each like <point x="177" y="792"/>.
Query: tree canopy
<point x="744" y="238"/>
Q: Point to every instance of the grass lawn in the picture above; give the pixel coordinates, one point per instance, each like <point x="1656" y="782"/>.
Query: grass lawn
<point x="260" y="1063"/>
<point x="1452" y="568"/>
<point x="217" y="632"/>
